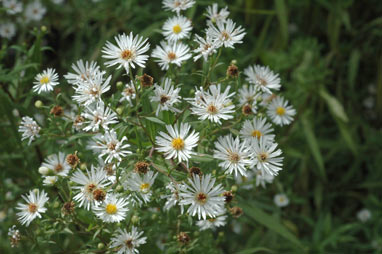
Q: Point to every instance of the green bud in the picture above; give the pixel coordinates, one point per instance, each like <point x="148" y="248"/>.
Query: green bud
<point x="119" y="84"/>
<point x="100" y="246"/>
<point x="214" y="172"/>
<point x="135" y="219"/>
<point x="234" y="188"/>
<point x="234" y="61"/>
<point x="221" y="234"/>
<point x="119" y="188"/>
<point x="119" y="110"/>
<point x="56" y="204"/>
<point x="83" y="166"/>
<point x="154" y="216"/>
<point x="260" y="114"/>
<point x="43" y="29"/>
<point x="38" y="104"/>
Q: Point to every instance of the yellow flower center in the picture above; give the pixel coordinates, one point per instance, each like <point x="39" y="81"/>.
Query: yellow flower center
<point x="256" y="134"/>
<point x="111" y="209"/>
<point x="177" y="29"/>
<point x="263" y="157"/>
<point x="171" y="56"/>
<point x="281" y="199"/>
<point x="126" y="54"/>
<point x="144" y="186"/>
<point x="32" y="208"/>
<point x="44" y="80"/>
<point x="177" y="143"/>
<point x="280" y="111"/>
<point x="201" y="198"/>
<point x="212" y="109"/>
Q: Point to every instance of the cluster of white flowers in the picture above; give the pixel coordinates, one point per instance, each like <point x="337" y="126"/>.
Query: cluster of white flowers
<point x="247" y="152"/>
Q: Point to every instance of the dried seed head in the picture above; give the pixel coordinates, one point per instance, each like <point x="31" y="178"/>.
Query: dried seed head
<point x="232" y="71"/>
<point x="247" y="109"/>
<point x="141" y="167"/>
<point x="196" y="171"/>
<point x="68" y="208"/>
<point x="57" y="111"/>
<point x="236" y="211"/>
<point x="228" y="195"/>
<point x="72" y="160"/>
<point x="99" y="195"/>
<point x="183" y="238"/>
<point x="146" y="80"/>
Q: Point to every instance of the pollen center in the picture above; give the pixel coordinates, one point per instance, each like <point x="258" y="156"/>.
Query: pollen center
<point x="261" y="81"/>
<point x="212" y="109"/>
<point x="171" y="56"/>
<point x="58" y="168"/>
<point x="129" y="243"/>
<point x="164" y="98"/>
<point x="111" y="146"/>
<point x="129" y="91"/>
<point x="111" y="208"/>
<point x="44" y="80"/>
<point x="262" y="157"/>
<point x="280" y="111"/>
<point x="126" y="54"/>
<point x="225" y="36"/>
<point x="144" y="187"/>
<point x="90" y="187"/>
<point x="234" y="157"/>
<point x="177" y="143"/>
<point x="201" y="198"/>
<point x="256" y="134"/>
<point x="32" y="208"/>
<point x="177" y="29"/>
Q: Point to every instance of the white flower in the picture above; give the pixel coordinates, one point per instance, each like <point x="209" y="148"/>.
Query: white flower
<point x="263" y="178"/>
<point x="95" y="179"/>
<point x="177" y="28"/>
<point x="111" y="146"/>
<point x="263" y="78"/>
<point x="33" y="208"/>
<point x="204" y="198"/>
<point x="279" y="111"/>
<point x="166" y="96"/>
<point x="177" y="5"/>
<point x="206" y="47"/>
<point x="178" y="143"/>
<point x="13" y="6"/>
<point x="56" y="164"/>
<point x="256" y="129"/>
<point x="112" y="210"/>
<point x="212" y="223"/>
<point x="14" y="235"/>
<point x="49" y="180"/>
<point x="214" y="15"/>
<point x="128" y="93"/>
<point x="7" y="30"/>
<point x="235" y="155"/>
<point x="172" y="198"/>
<point x="364" y="215"/>
<point x="140" y="185"/>
<point x="281" y="200"/>
<point x="127" y="243"/>
<point x="171" y="53"/>
<point x="266" y="156"/>
<point x="83" y="72"/>
<point x="98" y="115"/>
<point x="130" y="51"/>
<point x="45" y="81"/>
<point x="91" y="90"/>
<point x="249" y="95"/>
<point x="35" y="11"/>
<point x="226" y="34"/>
<point x="213" y="105"/>
<point x="29" y="129"/>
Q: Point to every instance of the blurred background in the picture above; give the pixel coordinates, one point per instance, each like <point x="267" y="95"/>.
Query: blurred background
<point x="329" y="56"/>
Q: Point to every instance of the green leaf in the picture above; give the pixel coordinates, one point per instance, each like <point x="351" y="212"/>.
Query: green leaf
<point x="155" y="120"/>
<point x="282" y="15"/>
<point x="202" y="157"/>
<point x="334" y="105"/>
<point x="353" y="67"/>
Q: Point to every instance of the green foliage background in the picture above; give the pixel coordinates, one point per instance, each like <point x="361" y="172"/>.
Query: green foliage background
<point x="328" y="52"/>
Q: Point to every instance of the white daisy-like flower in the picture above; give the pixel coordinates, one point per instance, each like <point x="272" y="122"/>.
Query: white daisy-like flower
<point x="33" y="208"/>
<point x="266" y="156"/>
<point x="213" y="105"/>
<point x="130" y="51"/>
<point x="234" y="154"/>
<point x="109" y="145"/>
<point x="7" y="30"/>
<point x="98" y="115"/>
<point x="128" y="93"/>
<point x="205" y="198"/>
<point x="173" y="198"/>
<point x="14" y="235"/>
<point x="56" y="164"/>
<point x="225" y="34"/>
<point x="177" y="28"/>
<point x="263" y="178"/>
<point x="212" y="223"/>
<point x="248" y="95"/>
<point x="214" y="15"/>
<point x="178" y="143"/>
<point x="171" y="53"/>
<point x="140" y="185"/>
<point x="49" y="180"/>
<point x="84" y="71"/>
<point x="280" y="112"/>
<point x="35" y="11"/>
<point x="281" y="200"/>
<point x="166" y="96"/>
<point x="364" y="215"/>
<point x="13" y="6"/>
<point x="256" y="129"/>
<point x="95" y="179"/>
<point x="263" y="78"/>
<point x="113" y="209"/>
<point x="127" y="242"/>
<point x="91" y="90"/>
<point x="206" y="47"/>
<point x="177" y="5"/>
<point x="29" y="129"/>
<point x="45" y="81"/>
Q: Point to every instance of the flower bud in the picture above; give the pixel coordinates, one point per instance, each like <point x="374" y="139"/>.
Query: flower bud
<point x="83" y="166"/>
<point x="232" y="71"/>
<point x="135" y="219"/>
<point x="38" y="104"/>
<point x="43" y="170"/>
<point x="119" y="188"/>
<point x="234" y="188"/>
<point x="146" y="80"/>
<point x="119" y="84"/>
<point x="43" y="29"/>
<point x="100" y="246"/>
<point x="119" y="110"/>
